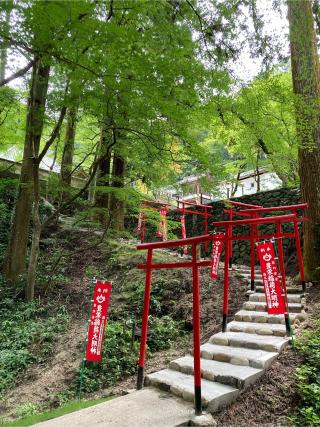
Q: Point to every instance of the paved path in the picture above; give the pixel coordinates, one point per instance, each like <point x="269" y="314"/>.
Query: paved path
<point x="148" y="407"/>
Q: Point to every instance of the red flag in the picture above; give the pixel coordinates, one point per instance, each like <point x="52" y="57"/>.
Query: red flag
<point x="140" y="219"/>
<point x="98" y="321"/>
<point x="162" y="231"/>
<point x="270" y="278"/>
<point x="184" y="233"/>
<point x="216" y="253"/>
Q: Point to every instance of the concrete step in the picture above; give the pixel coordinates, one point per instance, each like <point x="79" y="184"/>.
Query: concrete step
<point x="260" y="297"/>
<point x="276" y="329"/>
<point x="254" y="341"/>
<point x="214" y="395"/>
<point x="264" y="317"/>
<point x="225" y="373"/>
<point x="289" y="290"/>
<point x="262" y="306"/>
<point x="238" y="356"/>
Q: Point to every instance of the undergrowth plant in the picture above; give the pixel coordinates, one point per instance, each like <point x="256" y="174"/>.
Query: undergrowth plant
<point x="308" y="378"/>
<point x="27" y="335"/>
<point x="120" y="352"/>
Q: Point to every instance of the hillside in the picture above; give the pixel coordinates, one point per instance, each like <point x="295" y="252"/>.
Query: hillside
<point x="50" y="377"/>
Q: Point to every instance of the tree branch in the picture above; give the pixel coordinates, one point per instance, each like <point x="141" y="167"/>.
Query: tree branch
<point x="83" y="190"/>
<point x="17" y="74"/>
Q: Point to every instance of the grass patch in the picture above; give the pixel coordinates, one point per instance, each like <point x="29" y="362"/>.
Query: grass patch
<point x="27" y="335"/>
<point x="54" y="413"/>
<point x="308" y="378"/>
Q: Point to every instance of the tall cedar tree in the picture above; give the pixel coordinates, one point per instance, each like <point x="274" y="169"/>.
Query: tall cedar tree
<point x="306" y="87"/>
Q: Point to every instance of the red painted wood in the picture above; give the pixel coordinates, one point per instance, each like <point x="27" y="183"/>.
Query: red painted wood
<point x="146" y="305"/>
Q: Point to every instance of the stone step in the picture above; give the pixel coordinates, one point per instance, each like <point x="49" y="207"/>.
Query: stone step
<point x="257" y="281"/>
<point x="262" y="306"/>
<point x="214" y="395"/>
<point x="264" y="317"/>
<point x="254" y="341"/>
<point x="238" y="356"/>
<point x="225" y="373"/>
<point x="258" y="328"/>
<point x="245" y="268"/>
<point x="289" y="290"/>
<point x="292" y="298"/>
<point x="247" y="275"/>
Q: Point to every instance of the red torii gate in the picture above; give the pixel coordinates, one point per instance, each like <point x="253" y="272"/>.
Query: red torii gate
<point x="205" y="213"/>
<point x="182" y="206"/>
<point x="255" y="211"/>
<point x="195" y="264"/>
<point x="148" y="205"/>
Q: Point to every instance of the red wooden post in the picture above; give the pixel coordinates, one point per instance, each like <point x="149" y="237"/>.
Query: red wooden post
<point x="299" y="253"/>
<point x="206" y="244"/>
<point x="283" y="278"/>
<point x="252" y="249"/>
<point x="144" y="329"/>
<point x="226" y="280"/>
<point x="196" y="332"/>
<point x="230" y="249"/>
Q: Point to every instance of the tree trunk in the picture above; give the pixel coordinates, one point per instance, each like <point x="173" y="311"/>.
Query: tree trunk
<point x="102" y="197"/>
<point x="15" y="260"/>
<point x="4" y="49"/>
<point x="68" y="151"/>
<point x="117" y="204"/>
<point x="36" y="233"/>
<point x="306" y="87"/>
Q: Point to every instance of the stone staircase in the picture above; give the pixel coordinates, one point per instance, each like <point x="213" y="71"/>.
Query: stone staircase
<point x="233" y="360"/>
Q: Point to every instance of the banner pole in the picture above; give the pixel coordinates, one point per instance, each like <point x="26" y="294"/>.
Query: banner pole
<point x="92" y="282"/>
<point x="280" y="257"/>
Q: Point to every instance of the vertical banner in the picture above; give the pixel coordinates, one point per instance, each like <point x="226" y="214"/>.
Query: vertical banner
<point x="270" y="278"/>
<point x="98" y="321"/>
<point x="140" y="219"/>
<point x="184" y="233"/>
<point x="216" y="253"/>
<point x="162" y="231"/>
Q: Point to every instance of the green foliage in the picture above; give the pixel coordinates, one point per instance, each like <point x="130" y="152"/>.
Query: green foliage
<point x="119" y="359"/>
<point x="120" y="351"/>
<point x="308" y="378"/>
<point x="8" y="189"/>
<point x="256" y="127"/>
<point x="27" y="335"/>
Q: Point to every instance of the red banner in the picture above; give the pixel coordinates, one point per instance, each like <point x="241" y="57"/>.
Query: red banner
<point x="140" y="219"/>
<point x="270" y="278"/>
<point x="216" y="253"/>
<point x="162" y="231"/>
<point x="184" y="233"/>
<point x="98" y="321"/>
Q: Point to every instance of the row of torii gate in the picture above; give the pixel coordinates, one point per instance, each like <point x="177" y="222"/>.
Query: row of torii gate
<point x="251" y="216"/>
